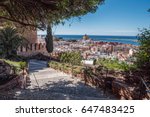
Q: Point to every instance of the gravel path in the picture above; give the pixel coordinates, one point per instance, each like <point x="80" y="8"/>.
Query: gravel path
<point x="47" y="83"/>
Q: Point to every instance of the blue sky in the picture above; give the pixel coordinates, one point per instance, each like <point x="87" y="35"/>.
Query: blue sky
<point x="115" y="17"/>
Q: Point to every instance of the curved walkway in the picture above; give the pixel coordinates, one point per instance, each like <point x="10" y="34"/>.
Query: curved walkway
<point x="47" y="83"/>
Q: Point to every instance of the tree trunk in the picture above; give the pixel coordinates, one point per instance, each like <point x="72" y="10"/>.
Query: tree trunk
<point x="7" y="53"/>
<point x="49" y="39"/>
<point x="72" y="69"/>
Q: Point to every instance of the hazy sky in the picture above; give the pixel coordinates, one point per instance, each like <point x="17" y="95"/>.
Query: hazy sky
<point x="115" y="17"/>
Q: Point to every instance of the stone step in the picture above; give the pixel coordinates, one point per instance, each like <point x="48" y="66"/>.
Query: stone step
<point x="47" y="95"/>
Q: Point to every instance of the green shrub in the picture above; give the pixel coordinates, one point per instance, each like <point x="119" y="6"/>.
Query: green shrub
<point x="114" y="64"/>
<point x="143" y="55"/>
<point x="23" y="65"/>
<point x="77" y="69"/>
<point x="65" y="66"/>
<point x="73" y="58"/>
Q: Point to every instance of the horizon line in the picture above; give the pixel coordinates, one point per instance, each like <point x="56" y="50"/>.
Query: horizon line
<point x="90" y="35"/>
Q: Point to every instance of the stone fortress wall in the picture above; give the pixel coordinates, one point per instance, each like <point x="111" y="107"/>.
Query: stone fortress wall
<point x="32" y="49"/>
<point x="35" y="46"/>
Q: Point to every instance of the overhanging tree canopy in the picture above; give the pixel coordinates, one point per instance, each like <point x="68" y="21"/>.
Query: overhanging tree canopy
<point x="38" y="13"/>
<point x="42" y="13"/>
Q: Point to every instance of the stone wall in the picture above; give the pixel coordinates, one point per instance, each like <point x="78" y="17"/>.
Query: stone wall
<point x="33" y="49"/>
<point x="11" y="84"/>
<point x="30" y="35"/>
<point x="18" y="81"/>
<point x="35" y="45"/>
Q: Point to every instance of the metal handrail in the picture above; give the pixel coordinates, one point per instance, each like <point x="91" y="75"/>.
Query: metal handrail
<point x="147" y="88"/>
<point x="36" y="81"/>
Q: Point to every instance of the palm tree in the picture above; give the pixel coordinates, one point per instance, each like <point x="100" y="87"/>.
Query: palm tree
<point x="10" y="40"/>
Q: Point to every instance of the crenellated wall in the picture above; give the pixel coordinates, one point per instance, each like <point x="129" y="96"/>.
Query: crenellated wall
<point x="32" y="49"/>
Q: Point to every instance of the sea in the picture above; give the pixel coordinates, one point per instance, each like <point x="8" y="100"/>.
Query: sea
<point x="120" y="39"/>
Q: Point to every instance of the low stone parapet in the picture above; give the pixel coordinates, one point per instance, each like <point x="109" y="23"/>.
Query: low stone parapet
<point x="32" y="49"/>
<point x="11" y="84"/>
<point x="17" y="81"/>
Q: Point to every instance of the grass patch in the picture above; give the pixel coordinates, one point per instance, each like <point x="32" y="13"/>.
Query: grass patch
<point x="65" y="67"/>
<point x="18" y="66"/>
<point x="115" y="65"/>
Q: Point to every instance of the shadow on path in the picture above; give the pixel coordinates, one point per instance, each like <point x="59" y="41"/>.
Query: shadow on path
<point x="49" y="84"/>
<point x="63" y="90"/>
<point x="36" y="65"/>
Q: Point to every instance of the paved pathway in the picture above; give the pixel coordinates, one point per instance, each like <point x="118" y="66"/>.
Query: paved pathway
<point x="47" y="83"/>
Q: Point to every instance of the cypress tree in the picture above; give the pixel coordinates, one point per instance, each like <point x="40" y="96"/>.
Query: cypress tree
<point x="49" y="39"/>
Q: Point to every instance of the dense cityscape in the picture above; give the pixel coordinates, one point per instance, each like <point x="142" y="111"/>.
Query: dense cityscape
<point x="91" y="50"/>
